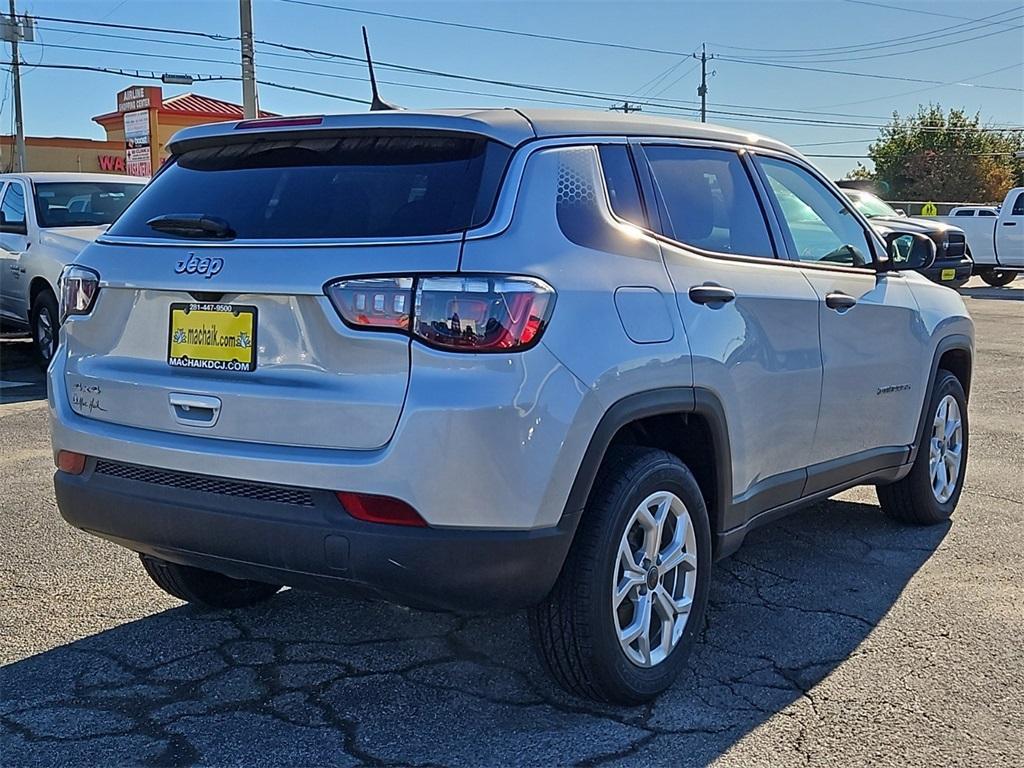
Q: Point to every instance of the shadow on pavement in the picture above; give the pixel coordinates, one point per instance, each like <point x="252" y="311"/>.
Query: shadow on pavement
<point x="1002" y="294"/>
<point x="310" y="679"/>
<point x="21" y="379"/>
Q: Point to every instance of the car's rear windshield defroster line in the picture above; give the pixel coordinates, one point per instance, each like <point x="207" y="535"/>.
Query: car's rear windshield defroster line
<point x="328" y="187"/>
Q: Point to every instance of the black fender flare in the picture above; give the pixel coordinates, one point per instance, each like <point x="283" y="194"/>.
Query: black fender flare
<point x="657" y="402"/>
<point x="958" y="342"/>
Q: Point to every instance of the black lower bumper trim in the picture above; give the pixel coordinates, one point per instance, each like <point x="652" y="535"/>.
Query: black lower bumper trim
<point x="318" y="546"/>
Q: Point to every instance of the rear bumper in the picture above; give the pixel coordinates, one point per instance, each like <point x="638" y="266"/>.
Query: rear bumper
<point x="315" y="544"/>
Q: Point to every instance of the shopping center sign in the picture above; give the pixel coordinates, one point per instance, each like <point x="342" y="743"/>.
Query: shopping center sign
<point x="138" y="104"/>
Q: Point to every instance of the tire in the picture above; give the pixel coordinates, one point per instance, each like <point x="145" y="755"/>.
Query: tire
<point x="196" y="585"/>
<point x="914" y="499"/>
<point x="576" y="629"/>
<point x="997" y="278"/>
<point x="44" y="323"/>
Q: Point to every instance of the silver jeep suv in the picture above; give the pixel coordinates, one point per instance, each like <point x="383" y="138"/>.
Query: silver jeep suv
<point x="494" y="359"/>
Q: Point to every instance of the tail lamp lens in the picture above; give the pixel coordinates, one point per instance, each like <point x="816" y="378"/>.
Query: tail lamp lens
<point x="78" y="289"/>
<point x="468" y="313"/>
<point x="373" y="303"/>
<point x="380" y="509"/>
<point x="481" y="313"/>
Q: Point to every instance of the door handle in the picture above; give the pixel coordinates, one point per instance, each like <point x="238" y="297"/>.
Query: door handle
<point x="709" y="293"/>
<point x="1009" y="223"/>
<point x="839" y="301"/>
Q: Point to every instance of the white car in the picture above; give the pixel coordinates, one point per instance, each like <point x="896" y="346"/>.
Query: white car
<point x="975" y="210"/>
<point x="45" y="220"/>
<point x="996" y="243"/>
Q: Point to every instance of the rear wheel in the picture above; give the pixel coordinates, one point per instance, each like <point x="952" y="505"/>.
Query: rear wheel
<point x="196" y="585"/>
<point x="997" y="278"/>
<point x="622" y="617"/>
<point x="44" y="319"/>
<point x="930" y="493"/>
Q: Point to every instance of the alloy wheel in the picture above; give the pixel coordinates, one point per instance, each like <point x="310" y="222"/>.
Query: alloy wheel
<point x="655" y="579"/>
<point x="945" y="450"/>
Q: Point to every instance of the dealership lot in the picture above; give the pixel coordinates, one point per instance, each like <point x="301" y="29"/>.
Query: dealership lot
<point x="833" y="637"/>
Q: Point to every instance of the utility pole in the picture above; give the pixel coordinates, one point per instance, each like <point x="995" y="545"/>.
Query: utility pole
<point x="626" y="107"/>
<point x="702" y="91"/>
<point x="250" y="100"/>
<point x="14" y="32"/>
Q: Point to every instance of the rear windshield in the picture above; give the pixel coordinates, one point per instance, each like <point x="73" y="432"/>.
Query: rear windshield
<point x="328" y="187"/>
<point x="82" y="203"/>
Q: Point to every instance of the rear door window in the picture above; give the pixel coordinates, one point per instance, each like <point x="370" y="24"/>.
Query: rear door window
<point x="355" y="186"/>
<point x="707" y="200"/>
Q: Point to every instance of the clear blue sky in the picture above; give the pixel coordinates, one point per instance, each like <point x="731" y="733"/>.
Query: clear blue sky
<point x="60" y="102"/>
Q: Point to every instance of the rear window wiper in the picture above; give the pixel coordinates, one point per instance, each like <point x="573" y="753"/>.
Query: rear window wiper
<point x="192" y="225"/>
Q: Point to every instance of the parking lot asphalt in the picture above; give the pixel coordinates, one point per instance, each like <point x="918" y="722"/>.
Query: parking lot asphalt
<point x="834" y="637"/>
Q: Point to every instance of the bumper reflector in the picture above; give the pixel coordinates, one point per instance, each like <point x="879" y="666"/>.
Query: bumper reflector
<point x="380" y="509"/>
<point x="71" y="462"/>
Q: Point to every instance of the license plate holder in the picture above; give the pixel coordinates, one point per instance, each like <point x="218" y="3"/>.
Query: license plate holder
<point x="219" y="337"/>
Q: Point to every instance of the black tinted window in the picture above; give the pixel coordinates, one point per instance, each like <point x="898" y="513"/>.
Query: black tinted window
<point x="986" y="213"/>
<point x="964" y="213"/>
<point x="707" y="200"/>
<point x="1018" y="206"/>
<point x="79" y="203"/>
<point x="348" y="186"/>
<point x="13" y="206"/>
<point x="621" y="181"/>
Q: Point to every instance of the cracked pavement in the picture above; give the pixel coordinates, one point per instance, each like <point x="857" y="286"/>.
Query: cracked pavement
<point x="833" y="637"/>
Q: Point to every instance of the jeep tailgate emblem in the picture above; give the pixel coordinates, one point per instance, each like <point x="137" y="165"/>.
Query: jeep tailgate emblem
<point x="194" y="265"/>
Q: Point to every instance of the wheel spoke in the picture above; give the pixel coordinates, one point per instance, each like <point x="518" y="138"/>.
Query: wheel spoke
<point x="678" y="557"/>
<point x="641" y="624"/>
<point x="628" y="582"/>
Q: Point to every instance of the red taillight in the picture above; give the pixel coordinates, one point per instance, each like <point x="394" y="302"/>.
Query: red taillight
<point x="278" y="122"/>
<point x="71" y="462"/>
<point x="467" y="313"/>
<point x="380" y="509"/>
<point x="373" y="303"/>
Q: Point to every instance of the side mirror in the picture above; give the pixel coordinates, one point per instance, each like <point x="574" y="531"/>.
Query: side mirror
<point x="909" y="250"/>
<point x="14" y="228"/>
<point x="901" y="212"/>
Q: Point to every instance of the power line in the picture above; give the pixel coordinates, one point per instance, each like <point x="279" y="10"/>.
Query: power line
<point x="877" y="44"/>
<point x="865" y="74"/>
<point x="483" y="28"/>
<point x="153" y="75"/>
<point x="598" y="96"/>
<point x="826" y="59"/>
<point x="907" y="10"/>
<point x="139" y="28"/>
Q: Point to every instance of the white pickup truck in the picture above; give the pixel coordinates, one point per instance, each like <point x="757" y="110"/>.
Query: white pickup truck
<point x="996" y="243"/>
<point x="45" y="220"/>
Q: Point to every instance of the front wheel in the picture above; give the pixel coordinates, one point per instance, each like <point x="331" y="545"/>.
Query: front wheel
<point x="930" y="493"/>
<point x="623" y="615"/>
<point x="997" y="278"/>
<point x="44" y="318"/>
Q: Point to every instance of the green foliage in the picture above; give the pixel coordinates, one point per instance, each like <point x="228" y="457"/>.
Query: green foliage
<point x="937" y="156"/>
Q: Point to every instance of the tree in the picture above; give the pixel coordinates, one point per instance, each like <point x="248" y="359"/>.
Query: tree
<point x="937" y="156"/>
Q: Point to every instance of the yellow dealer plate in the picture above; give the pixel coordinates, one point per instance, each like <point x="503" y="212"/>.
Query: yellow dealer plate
<point x="221" y="337"/>
<point x="948" y="274"/>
